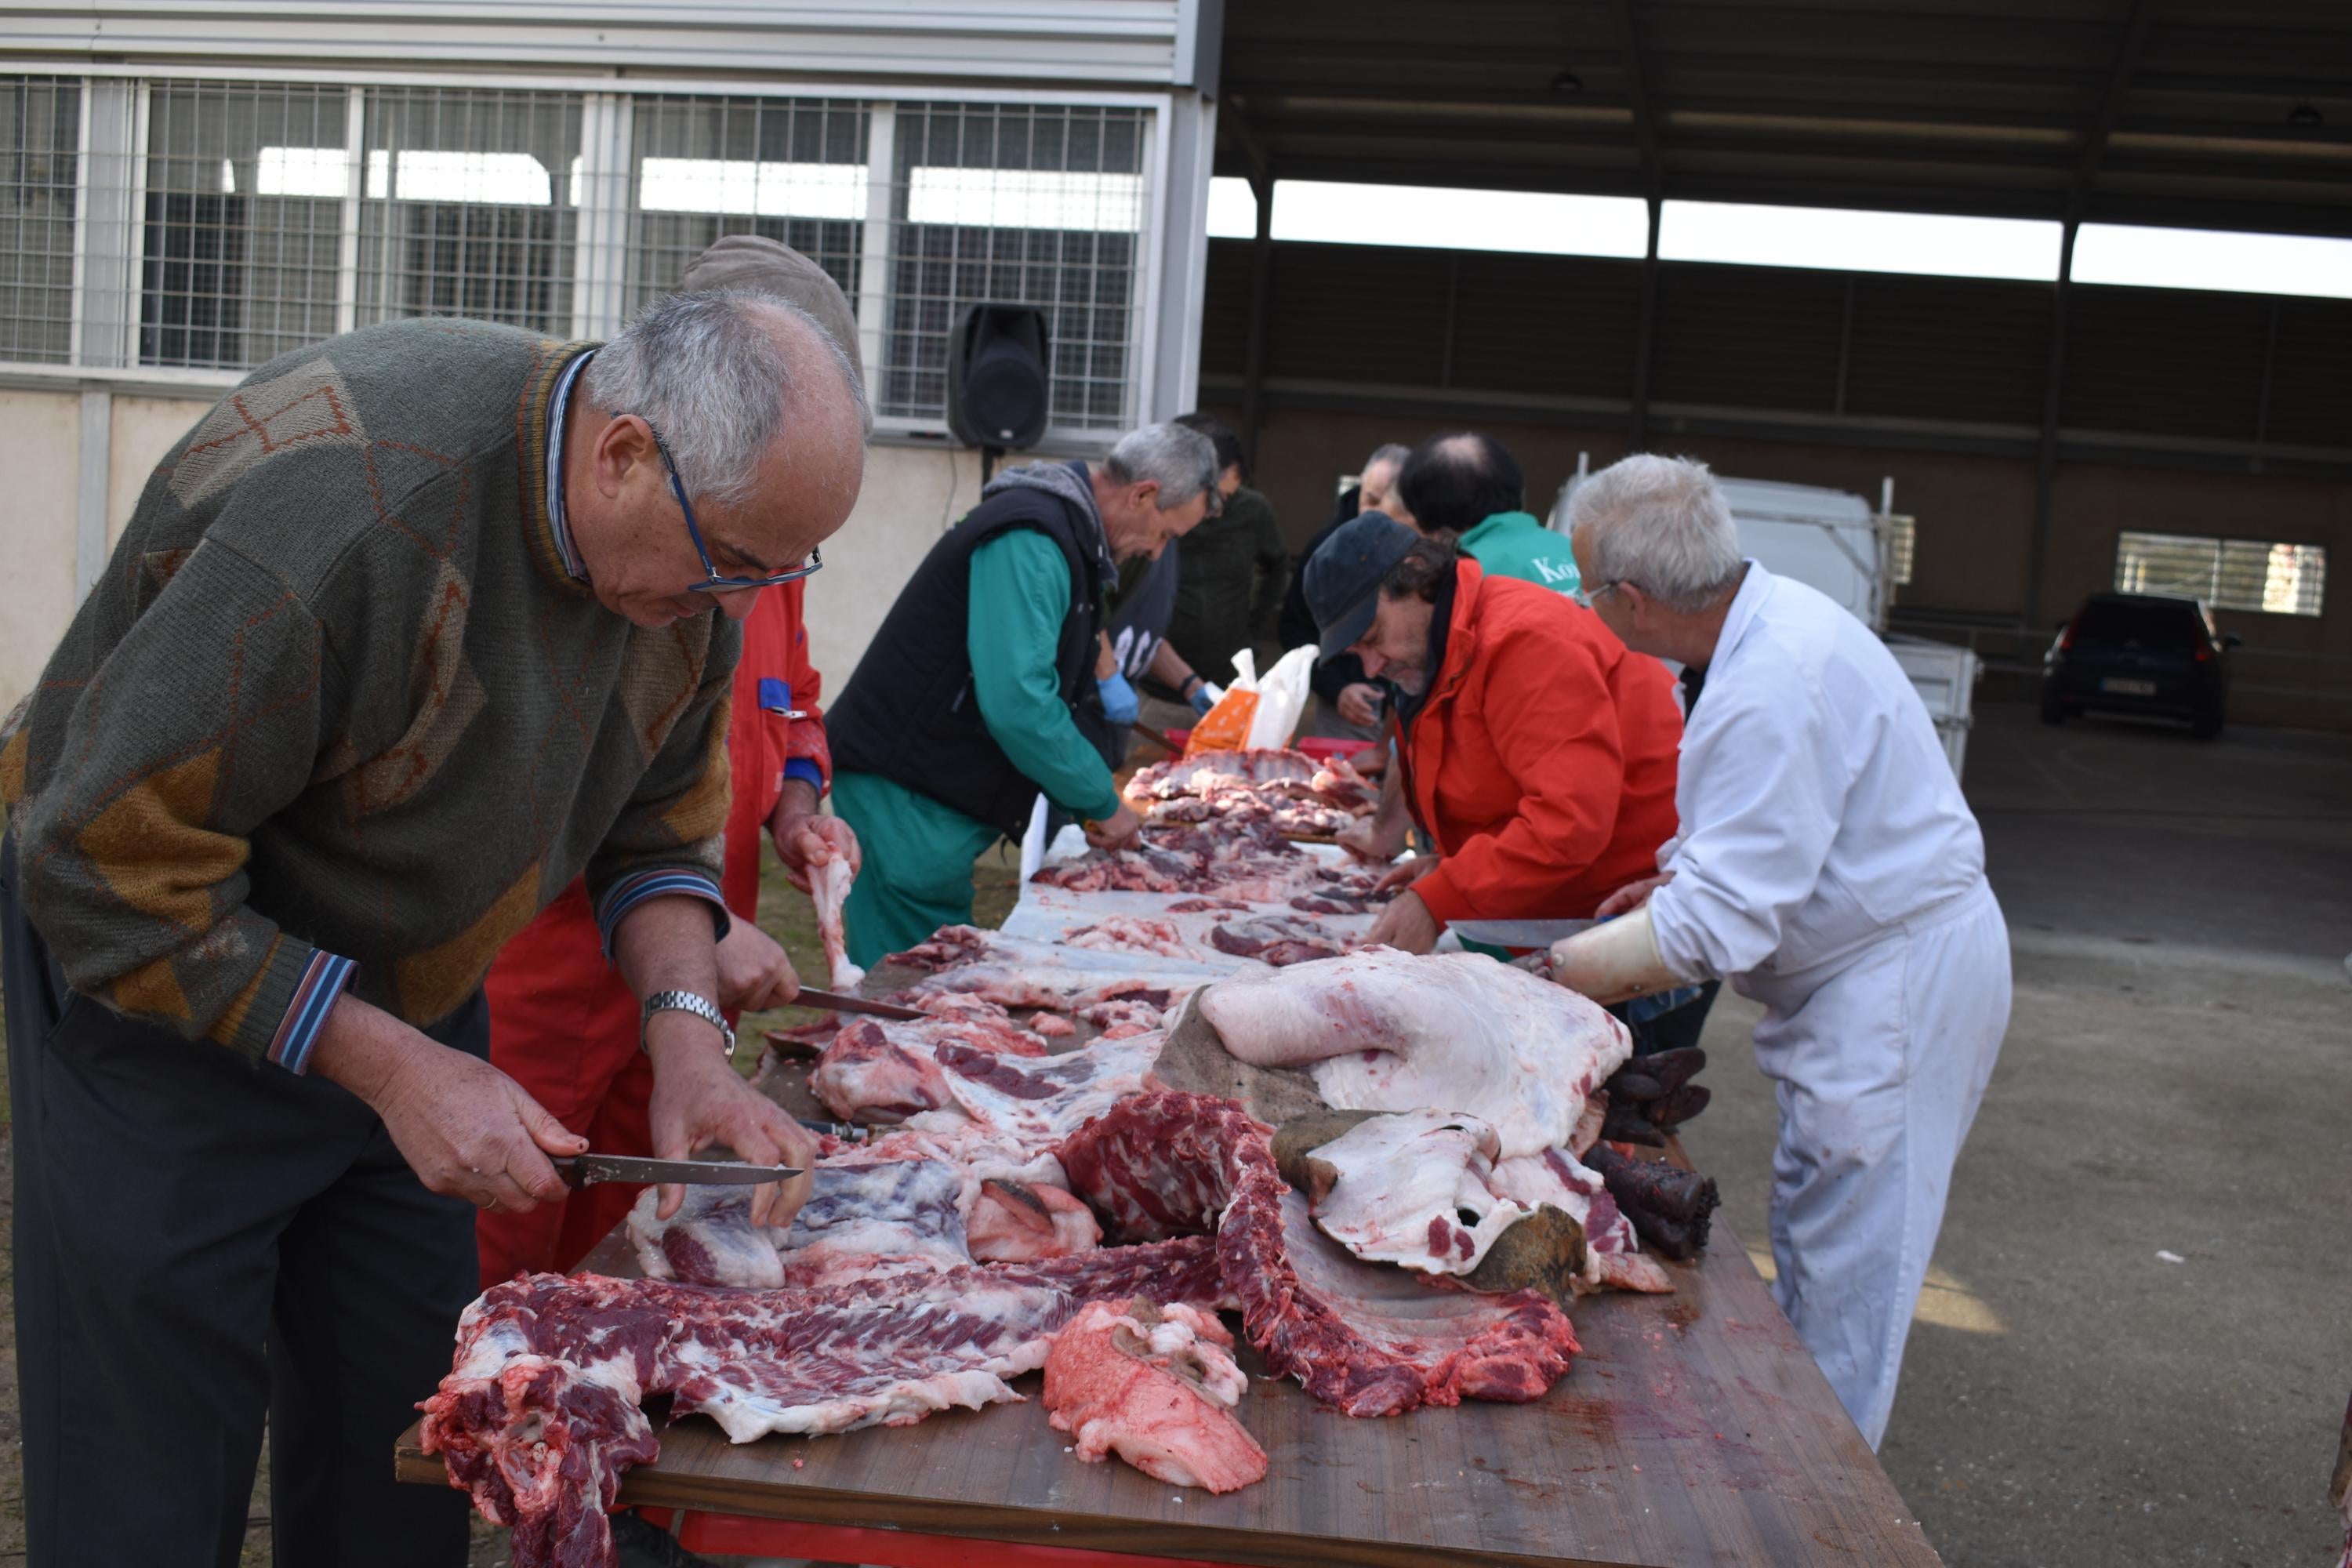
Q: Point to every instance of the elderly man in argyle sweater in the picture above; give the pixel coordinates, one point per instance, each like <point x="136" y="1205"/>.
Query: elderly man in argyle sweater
<point x="413" y="628"/>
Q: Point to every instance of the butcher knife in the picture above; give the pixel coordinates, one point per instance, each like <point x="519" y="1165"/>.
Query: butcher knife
<point x="841" y="1001"/>
<point x="579" y="1170"/>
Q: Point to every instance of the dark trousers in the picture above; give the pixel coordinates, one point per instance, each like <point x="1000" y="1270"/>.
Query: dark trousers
<point x="199" y="1243"/>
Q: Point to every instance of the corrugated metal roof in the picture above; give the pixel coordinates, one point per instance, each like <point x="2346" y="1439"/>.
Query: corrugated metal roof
<point x="2178" y="112"/>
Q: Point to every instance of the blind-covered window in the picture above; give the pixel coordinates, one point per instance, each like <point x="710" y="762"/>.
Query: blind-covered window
<point x="39" y="141"/>
<point x="2277" y="578"/>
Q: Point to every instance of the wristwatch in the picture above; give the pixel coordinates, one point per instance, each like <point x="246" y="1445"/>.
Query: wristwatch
<point x="701" y="1007"/>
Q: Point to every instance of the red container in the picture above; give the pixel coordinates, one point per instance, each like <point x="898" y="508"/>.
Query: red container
<point x="1318" y="746"/>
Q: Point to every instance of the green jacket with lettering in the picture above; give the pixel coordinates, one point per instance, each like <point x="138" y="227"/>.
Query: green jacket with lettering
<point x="1514" y="544"/>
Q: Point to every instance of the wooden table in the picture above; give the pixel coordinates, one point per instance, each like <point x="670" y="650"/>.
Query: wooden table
<point x="1693" y="1429"/>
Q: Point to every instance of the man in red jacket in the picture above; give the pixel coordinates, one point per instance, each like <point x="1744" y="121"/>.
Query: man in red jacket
<point x="563" y="1024"/>
<point x="1538" y="754"/>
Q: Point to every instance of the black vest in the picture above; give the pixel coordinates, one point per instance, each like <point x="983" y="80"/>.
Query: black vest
<point x="909" y="714"/>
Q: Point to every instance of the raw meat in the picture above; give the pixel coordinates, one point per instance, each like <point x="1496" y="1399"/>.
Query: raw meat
<point x="1388" y="1031"/>
<point x="865" y="1217"/>
<point x="539" y="1415"/>
<point x="1022" y="971"/>
<point x="1040" y="1102"/>
<point x="1127" y="933"/>
<point x="1369" y="1340"/>
<point x="1127" y="1016"/>
<point x="1612" y="1257"/>
<point x="1156" y="1387"/>
<point x="878" y="1070"/>
<point x="1414" y="1190"/>
<point x="829" y="888"/>
<point x="1278" y="773"/>
<point x="1277" y="940"/>
<point x="1020" y="1222"/>
<point x="1184" y="1269"/>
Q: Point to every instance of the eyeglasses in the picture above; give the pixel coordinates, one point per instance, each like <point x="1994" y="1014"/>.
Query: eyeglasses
<point x="713" y="582"/>
<point x="1585" y="596"/>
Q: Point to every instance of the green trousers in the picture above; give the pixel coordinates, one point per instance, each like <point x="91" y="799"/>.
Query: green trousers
<point x="916" y="873"/>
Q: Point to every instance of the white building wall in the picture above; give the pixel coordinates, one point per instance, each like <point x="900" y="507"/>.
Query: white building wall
<point x="39" y="443"/>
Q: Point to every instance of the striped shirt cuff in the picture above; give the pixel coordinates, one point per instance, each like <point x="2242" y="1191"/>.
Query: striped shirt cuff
<point x="807" y="771"/>
<point x="322" y="981"/>
<point x="664" y="881"/>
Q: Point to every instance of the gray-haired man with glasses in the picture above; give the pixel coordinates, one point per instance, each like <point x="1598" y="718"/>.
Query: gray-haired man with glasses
<point x="407" y="634"/>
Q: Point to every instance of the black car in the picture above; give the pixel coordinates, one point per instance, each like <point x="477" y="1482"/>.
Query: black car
<point x="2139" y="652"/>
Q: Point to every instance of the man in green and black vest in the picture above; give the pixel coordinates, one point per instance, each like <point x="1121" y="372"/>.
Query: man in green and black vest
<point x="414" y="627"/>
<point x="960" y="712"/>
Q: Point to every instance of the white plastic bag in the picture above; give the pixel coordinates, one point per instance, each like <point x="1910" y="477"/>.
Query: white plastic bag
<point x="1282" y="694"/>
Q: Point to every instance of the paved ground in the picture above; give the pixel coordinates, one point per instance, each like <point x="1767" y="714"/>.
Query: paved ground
<point x="2178" y="1078"/>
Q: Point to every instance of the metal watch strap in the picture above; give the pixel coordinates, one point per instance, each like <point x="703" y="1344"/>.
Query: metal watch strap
<point x="701" y="1007"/>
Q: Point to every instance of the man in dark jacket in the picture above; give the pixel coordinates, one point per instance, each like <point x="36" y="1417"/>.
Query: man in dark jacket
<point x="1346" y="704"/>
<point x="1233" y="567"/>
<point x="960" y="715"/>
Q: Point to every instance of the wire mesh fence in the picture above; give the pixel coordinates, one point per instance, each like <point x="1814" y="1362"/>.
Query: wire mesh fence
<point x="213" y="224"/>
<point x="39" y="146"/>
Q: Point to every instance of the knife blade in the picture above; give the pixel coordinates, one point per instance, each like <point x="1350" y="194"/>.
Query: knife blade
<point x="582" y="1169"/>
<point x="841" y="1001"/>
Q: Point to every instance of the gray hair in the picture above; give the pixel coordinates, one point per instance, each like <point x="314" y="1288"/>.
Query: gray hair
<point x="1394" y="452"/>
<point x="1183" y="460"/>
<point x="1661" y="524"/>
<point x="705" y="370"/>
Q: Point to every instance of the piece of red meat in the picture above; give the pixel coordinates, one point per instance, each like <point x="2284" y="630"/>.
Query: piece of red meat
<point x="1157" y="1388"/>
<point x="1367" y="1340"/>
<point x="1020" y="1222"/>
<point x="1277" y="940"/>
<point x="539" y="1416"/>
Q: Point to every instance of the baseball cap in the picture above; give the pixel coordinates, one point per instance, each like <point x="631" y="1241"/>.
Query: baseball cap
<point x="1343" y="577"/>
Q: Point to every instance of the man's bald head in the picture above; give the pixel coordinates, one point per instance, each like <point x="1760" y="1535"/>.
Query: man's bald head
<point x="1452" y="483"/>
<point x="764" y="417"/>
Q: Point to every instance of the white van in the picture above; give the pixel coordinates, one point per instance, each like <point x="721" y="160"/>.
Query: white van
<point x="1832" y="541"/>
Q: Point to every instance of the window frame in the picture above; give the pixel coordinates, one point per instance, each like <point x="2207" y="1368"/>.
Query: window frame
<point x="605" y="231"/>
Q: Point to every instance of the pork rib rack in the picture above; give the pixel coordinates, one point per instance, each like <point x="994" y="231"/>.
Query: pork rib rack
<point x="538" y="1416"/>
<point x="1367" y="1340"/>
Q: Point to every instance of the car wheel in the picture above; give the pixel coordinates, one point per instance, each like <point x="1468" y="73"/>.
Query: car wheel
<point x="2208" y="724"/>
<point x="2053" y="710"/>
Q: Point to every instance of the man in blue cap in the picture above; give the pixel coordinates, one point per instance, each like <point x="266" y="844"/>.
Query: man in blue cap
<point x="1558" y="744"/>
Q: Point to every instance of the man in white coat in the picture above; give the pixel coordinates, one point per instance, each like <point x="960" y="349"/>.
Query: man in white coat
<point x="1827" y="867"/>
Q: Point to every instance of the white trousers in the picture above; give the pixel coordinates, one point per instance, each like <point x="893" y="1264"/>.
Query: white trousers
<point x="1878" y="1066"/>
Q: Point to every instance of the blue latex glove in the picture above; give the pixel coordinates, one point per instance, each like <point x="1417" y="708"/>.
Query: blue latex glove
<point x="1207" y="696"/>
<point x="1119" y="704"/>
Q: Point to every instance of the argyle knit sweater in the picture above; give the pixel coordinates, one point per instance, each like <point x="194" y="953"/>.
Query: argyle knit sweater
<point x="337" y="716"/>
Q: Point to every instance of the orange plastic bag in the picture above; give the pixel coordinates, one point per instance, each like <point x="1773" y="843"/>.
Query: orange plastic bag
<point x="1225" y="727"/>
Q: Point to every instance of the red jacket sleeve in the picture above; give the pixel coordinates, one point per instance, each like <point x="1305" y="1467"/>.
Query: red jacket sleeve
<point x="805" y="742"/>
<point x="1547" y="704"/>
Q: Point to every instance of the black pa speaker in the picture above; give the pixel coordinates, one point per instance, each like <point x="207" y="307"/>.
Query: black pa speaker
<point x="996" y="376"/>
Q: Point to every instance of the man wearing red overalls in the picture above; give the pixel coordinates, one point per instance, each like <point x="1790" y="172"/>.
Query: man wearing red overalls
<point x="563" y="1024"/>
